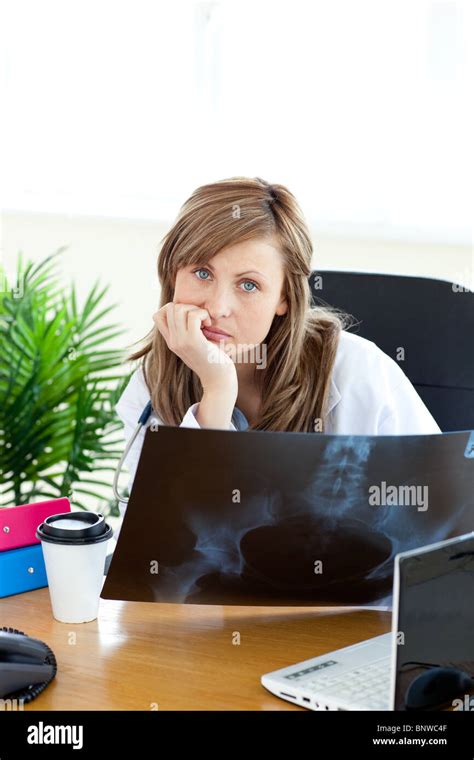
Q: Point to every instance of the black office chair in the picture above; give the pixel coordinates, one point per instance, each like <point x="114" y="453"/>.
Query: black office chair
<point x="430" y="319"/>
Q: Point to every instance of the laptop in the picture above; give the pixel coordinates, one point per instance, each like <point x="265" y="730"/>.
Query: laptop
<point x="432" y="625"/>
<point x="285" y="519"/>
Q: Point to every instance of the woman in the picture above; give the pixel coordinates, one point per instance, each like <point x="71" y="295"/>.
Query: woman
<point x="238" y="259"/>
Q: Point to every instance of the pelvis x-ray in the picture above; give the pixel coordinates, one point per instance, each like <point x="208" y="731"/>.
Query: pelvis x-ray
<point x="264" y="518"/>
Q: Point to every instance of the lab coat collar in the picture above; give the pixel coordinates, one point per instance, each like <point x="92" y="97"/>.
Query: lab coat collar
<point x="334" y="395"/>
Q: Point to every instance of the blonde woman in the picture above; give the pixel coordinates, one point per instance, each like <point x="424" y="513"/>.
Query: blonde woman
<point x="237" y="260"/>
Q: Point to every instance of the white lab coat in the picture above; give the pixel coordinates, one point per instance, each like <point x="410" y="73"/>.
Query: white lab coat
<point x="369" y="395"/>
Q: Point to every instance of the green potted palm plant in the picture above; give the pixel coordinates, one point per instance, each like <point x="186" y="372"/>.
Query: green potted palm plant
<point x="59" y="381"/>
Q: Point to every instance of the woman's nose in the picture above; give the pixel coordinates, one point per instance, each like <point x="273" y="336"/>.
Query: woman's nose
<point x="219" y="304"/>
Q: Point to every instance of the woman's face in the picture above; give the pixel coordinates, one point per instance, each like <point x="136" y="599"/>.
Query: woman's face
<point x="241" y="288"/>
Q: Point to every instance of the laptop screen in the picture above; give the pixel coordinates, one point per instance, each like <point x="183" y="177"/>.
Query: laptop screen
<point x="436" y="617"/>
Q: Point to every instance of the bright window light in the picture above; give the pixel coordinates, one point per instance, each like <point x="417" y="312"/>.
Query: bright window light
<point x="364" y="109"/>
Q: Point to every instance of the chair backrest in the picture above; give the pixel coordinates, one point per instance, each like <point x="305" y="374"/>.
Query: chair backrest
<point x="431" y="320"/>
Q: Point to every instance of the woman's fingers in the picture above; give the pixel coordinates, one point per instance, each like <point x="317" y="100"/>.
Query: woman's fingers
<point x="180" y="317"/>
<point x="169" y="311"/>
<point x="196" y="318"/>
<point x="173" y="323"/>
<point x="159" y="318"/>
<point x="180" y="324"/>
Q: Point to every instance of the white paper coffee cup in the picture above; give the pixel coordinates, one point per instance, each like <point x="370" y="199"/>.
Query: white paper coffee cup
<point x="74" y="548"/>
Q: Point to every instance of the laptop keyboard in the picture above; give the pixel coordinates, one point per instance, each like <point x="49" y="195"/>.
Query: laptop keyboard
<point x="366" y="687"/>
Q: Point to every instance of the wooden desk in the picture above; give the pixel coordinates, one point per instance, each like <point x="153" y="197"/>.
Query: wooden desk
<point x="143" y="656"/>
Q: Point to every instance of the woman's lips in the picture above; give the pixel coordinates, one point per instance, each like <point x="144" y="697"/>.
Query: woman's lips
<point x="213" y="335"/>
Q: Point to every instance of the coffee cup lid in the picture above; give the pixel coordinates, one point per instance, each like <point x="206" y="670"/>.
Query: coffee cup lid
<point x="74" y="528"/>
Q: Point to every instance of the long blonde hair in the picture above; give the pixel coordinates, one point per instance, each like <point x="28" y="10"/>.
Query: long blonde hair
<point x="301" y="345"/>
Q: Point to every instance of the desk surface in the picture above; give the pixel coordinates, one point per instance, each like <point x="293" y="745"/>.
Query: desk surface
<point x="144" y="656"/>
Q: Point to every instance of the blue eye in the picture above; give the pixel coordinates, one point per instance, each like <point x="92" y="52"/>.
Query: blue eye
<point x="245" y="282"/>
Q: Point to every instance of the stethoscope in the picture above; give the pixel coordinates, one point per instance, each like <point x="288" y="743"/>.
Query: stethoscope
<point x="142" y="420"/>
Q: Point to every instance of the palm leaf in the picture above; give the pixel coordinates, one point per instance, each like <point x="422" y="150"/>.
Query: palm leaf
<point x="59" y="382"/>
